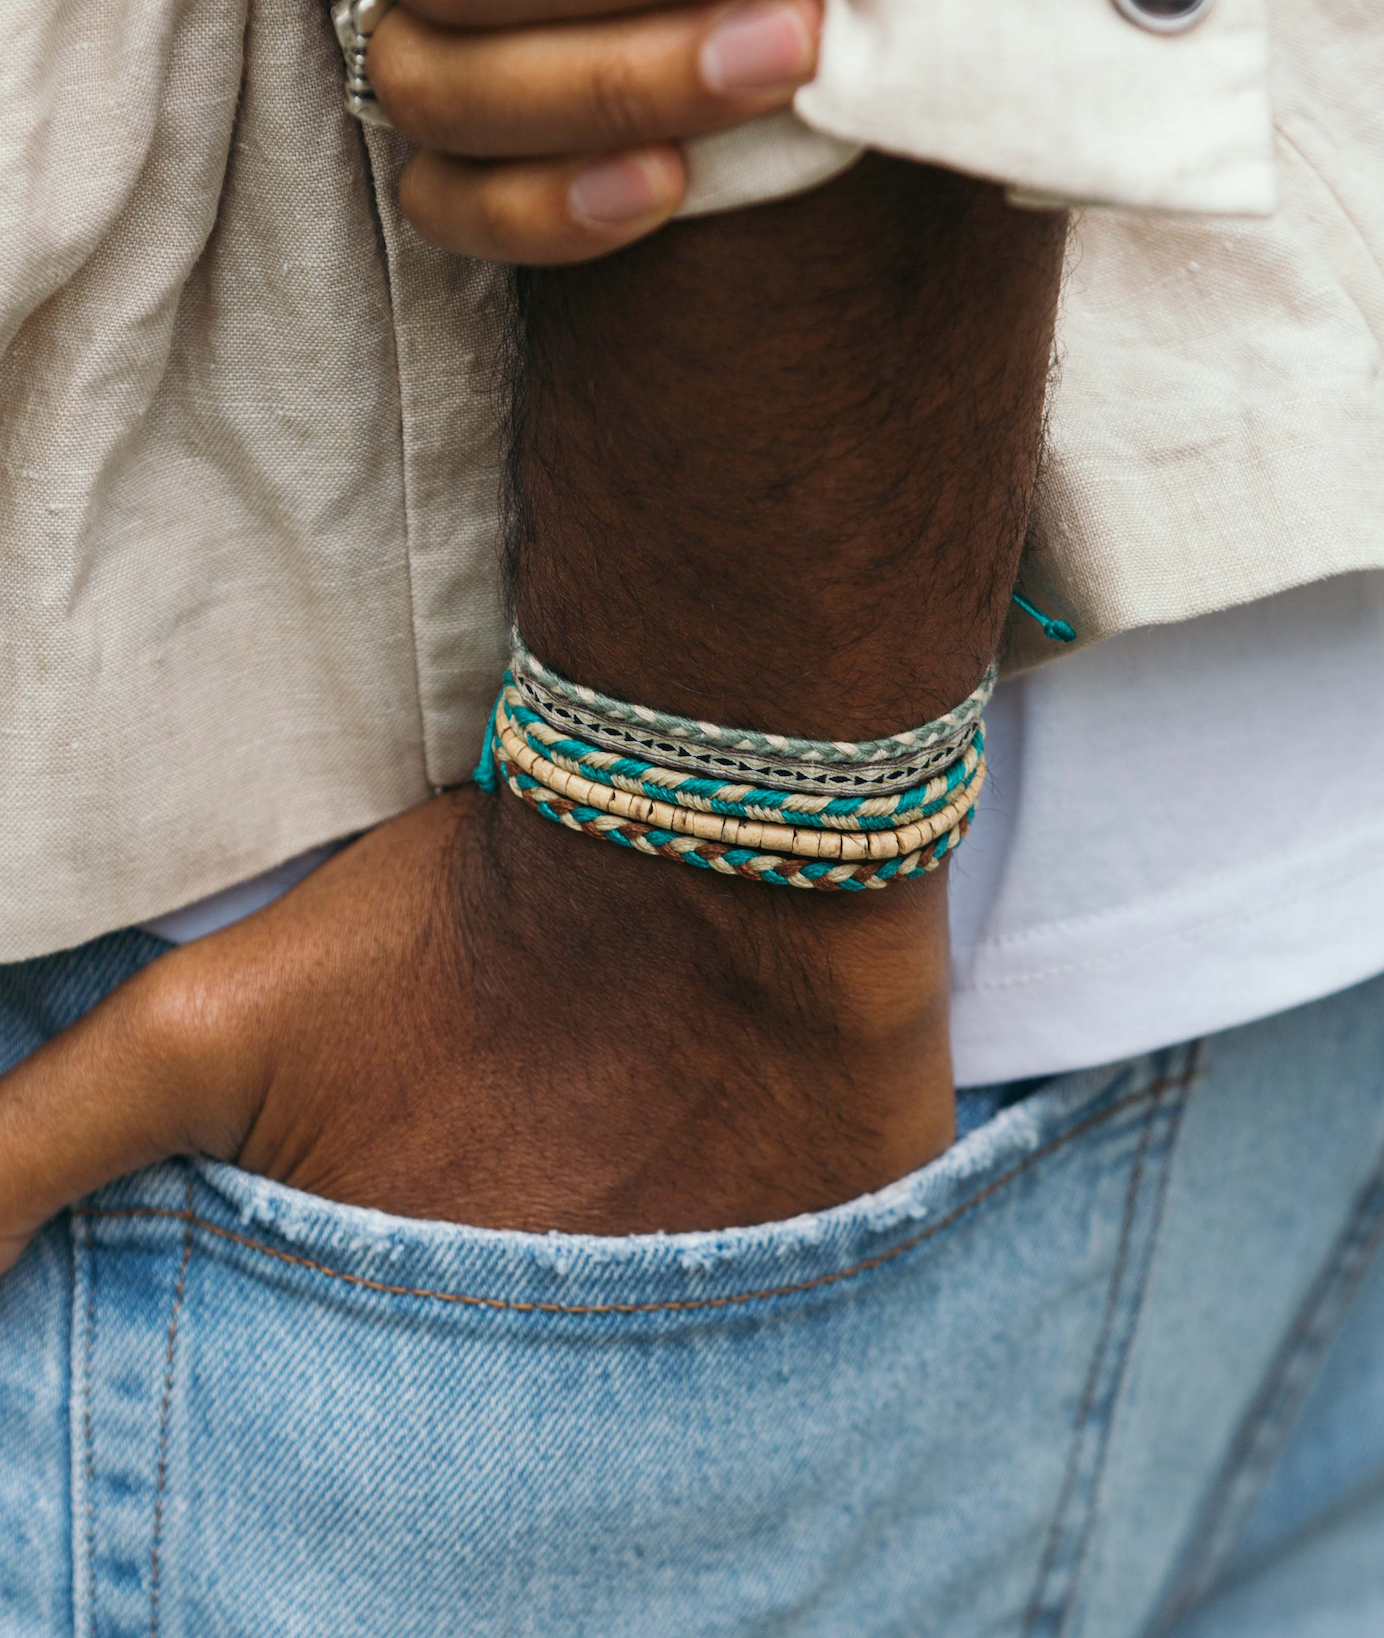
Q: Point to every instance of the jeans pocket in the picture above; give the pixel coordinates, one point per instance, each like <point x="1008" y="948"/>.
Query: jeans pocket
<point x="309" y="1418"/>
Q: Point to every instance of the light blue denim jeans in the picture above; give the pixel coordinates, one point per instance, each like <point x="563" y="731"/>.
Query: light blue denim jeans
<point x="1113" y="1365"/>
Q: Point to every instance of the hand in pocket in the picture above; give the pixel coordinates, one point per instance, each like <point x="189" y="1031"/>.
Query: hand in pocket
<point x="470" y="1015"/>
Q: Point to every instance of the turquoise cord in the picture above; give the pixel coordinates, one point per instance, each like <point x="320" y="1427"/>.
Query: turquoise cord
<point x="486" y="773"/>
<point x="712" y="796"/>
<point x="955" y="743"/>
<point x="1058" y="630"/>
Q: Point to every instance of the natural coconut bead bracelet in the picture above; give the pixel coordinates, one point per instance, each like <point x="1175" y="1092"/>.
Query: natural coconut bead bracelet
<point x="831" y="815"/>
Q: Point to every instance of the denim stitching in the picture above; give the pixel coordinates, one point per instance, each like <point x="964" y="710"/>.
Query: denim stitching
<point x="1051" y="1546"/>
<point x="512" y="1305"/>
<point x="1036" y="1611"/>
<point x="1095" y="1376"/>
<point x="1175" y="1114"/>
<point x="88" y="1434"/>
<point x="165" y="1411"/>
<point x="1271" y="1414"/>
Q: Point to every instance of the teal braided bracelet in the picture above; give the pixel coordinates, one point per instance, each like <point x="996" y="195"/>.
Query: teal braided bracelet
<point x="881" y="810"/>
<point x="907" y="833"/>
<point x="732" y="800"/>
<point x="776" y="870"/>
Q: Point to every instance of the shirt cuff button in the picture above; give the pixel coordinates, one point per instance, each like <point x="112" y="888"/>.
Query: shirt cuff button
<point x="1164" y="16"/>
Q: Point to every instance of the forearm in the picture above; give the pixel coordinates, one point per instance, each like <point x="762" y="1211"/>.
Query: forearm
<point x="774" y="468"/>
<point x="771" y="470"/>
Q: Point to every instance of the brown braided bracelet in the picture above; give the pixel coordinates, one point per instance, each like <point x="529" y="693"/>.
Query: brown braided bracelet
<point x="769" y="831"/>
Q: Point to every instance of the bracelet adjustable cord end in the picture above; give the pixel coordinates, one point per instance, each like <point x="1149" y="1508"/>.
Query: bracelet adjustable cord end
<point x="1058" y="630"/>
<point x="486" y="773"/>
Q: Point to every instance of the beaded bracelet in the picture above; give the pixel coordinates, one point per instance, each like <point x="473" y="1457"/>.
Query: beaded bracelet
<point x="835" y="815"/>
<point x="745" y="823"/>
<point x="730" y="861"/>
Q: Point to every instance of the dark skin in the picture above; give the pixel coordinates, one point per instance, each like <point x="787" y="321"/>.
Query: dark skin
<point x="772" y="469"/>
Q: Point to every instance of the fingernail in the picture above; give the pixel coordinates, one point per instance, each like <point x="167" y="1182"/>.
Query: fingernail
<point x="618" y="190"/>
<point x="756" y="47"/>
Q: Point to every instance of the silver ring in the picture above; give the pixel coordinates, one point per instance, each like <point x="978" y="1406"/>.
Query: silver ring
<point x="355" y="21"/>
<point x="1164" y="16"/>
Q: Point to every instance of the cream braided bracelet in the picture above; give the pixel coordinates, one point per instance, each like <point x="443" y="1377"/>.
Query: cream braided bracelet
<point x="764" y="867"/>
<point x="592" y="764"/>
<point x="848" y="842"/>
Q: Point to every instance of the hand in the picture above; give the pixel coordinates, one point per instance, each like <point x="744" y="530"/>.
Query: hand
<point x="470" y="1014"/>
<point x="549" y="128"/>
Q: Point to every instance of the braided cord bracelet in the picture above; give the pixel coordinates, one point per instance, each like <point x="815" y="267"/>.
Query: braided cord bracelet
<point x="737" y="801"/>
<point x="814" y="774"/>
<point x="730" y="861"/>
<point x="834" y="815"/>
<point x="847" y="837"/>
<point x="740" y="832"/>
<point x="813" y="752"/>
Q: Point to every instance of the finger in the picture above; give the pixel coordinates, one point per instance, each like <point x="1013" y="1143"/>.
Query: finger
<point x="114" y="1093"/>
<point x="474" y="14"/>
<point x="542" y="212"/>
<point x="590" y="86"/>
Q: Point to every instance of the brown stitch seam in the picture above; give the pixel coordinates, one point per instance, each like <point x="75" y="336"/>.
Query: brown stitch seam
<point x="1036" y="1608"/>
<point x="682" y="1305"/>
<point x="1176" y="1112"/>
<point x="165" y="1410"/>
<point x="88" y="1432"/>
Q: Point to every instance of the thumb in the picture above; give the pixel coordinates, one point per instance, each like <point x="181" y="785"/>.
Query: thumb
<point x="140" y="1078"/>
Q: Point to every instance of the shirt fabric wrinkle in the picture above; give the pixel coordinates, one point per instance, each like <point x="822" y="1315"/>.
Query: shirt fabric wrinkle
<point x="251" y="424"/>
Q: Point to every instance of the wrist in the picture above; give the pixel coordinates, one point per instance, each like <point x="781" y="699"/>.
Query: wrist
<point x="712" y="1050"/>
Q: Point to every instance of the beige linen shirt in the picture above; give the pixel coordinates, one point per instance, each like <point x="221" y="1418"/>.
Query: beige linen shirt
<point x="250" y="423"/>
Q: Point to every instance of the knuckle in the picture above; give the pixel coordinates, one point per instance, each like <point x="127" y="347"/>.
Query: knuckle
<point x="432" y="197"/>
<point x="415" y="195"/>
<point x="196" y="1026"/>
<point x="388" y="72"/>
<point x="619" y="99"/>
<point x="403" y="81"/>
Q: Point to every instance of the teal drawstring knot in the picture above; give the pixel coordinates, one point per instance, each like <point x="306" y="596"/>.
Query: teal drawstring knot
<point x="1058" y="630"/>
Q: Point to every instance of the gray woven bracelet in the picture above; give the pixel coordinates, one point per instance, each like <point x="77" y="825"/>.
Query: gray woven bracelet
<point x="724" y="760"/>
<point x="824" y="767"/>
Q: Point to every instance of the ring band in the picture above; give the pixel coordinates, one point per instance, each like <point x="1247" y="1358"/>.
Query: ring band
<point x="355" y="21"/>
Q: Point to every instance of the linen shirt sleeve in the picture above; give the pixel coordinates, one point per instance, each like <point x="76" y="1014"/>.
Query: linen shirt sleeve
<point x="1062" y="101"/>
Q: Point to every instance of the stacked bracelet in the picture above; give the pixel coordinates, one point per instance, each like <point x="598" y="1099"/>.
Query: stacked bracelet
<point x="835" y="815"/>
<point x="829" y="766"/>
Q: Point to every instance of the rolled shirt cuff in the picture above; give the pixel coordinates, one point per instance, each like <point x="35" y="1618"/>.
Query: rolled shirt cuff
<point x="1061" y="101"/>
<point x="769" y="158"/>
